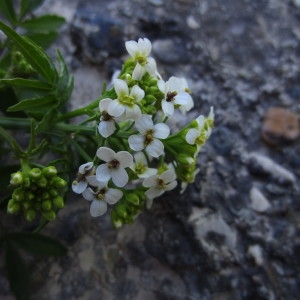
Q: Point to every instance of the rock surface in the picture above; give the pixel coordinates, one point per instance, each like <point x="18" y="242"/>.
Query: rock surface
<point x="219" y="240"/>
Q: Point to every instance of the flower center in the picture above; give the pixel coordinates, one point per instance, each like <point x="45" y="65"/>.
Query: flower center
<point x="101" y="194"/>
<point x="113" y="164"/>
<point x="142" y="60"/>
<point x="127" y="100"/>
<point x="105" y="116"/>
<point x="200" y="140"/>
<point x="149" y="137"/>
<point x="140" y="169"/>
<point x="170" y="96"/>
<point x="160" y="184"/>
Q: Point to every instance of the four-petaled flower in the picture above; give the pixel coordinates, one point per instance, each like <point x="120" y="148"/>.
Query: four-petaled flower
<point x="140" y="51"/>
<point x="101" y="197"/>
<point x="126" y="103"/>
<point x="140" y="166"/>
<point x="175" y="94"/>
<point x="197" y="136"/>
<point x="80" y="184"/>
<point x="106" y="126"/>
<point x="149" y="136"/>
<point x="158" y="184"/>
<point x="115" y="165"/>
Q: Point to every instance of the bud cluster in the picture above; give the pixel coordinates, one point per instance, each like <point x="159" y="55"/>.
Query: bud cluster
<point x="140" y="157"/>
<point x="36" y="192"/>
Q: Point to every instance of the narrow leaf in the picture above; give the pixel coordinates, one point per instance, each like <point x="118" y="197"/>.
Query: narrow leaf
<point x="45" y="40"/>
<point x="43" y="23"/>
<point x="36" y="243"/>
<point x="28" y="6"/>
<point x="34" y="54"/>
<point x="42" y="103"/>
<point x="7" y="11"/>
<point x="28" y="83"/>
<point x="47" y="121"/>
<point x="17" y="272"/>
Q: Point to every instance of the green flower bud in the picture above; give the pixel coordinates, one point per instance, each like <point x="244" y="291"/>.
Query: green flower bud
<point x="26" y="182"/>
<point x="49" y="215"/>
<point x="29" y="196"/>
<point x="16" y="178"/>
<point x="49" y="171"/>
<point x="30" y="215"/>
<point x="150" y="110"/>
<point x="35" y="173"/>
<point x="58" y="202"/>
<point x="116" y="220"/>
<point x="13" y="207"/>
<point x="58" y="182"/>
<point x="26" y="205"/>
<point x="133" y="199"/>
<point x="121" y="210"/>
<point x="150" y="99"/>
<point x="46" y="205"/>
<point x="53" y="192"/>
<point x="42" y="182"/>
<point x="18" y="194"/>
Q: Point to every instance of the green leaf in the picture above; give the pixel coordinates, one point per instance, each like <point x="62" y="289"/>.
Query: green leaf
<point x="43" y="24"/>
<point x="28" y="83"/>
<point x="17" y="272"/>
<point x="34" y="54"/>
<point x="35" y="104"/>
<point x="47" y="121"/>
<point x="28" y="6"/>
<point x="37" y="243"/>
<point x="7" y="11"/>
<point x="45" y="40"/>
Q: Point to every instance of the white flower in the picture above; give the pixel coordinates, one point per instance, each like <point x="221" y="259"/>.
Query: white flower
<point x="175" y="94"/>
<point x="80" y="184"/>
<point x="106" y="126"/>
<point x="140" y="51"/>
<point x="196" y="136"/>
<point x="140" y="166"/>
<point x="103" y="196"/>
<point x="149" y="136"/>
<point x="115" y="165"/>
<point x="126" y="103"/>
<point x="185" y="88"/>
<point x="160" y="183"/>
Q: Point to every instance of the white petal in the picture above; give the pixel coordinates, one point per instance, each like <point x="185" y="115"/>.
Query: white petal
<point x="88" y="194"/>
<point x="133" y="113"/>
<point x="151" y="66"/>
<point x="104" y="103"/>
<point x="201" y="121"/>
<point x="182" y="98"/>
<point x="106" y="154"/>
<point x="98" y="208"/>
<point x="121" y="87"/>
<point x="138" y="72"/>
<point x="161" y="131"/>
<point x="79" y="187"/>
<point x="144" y="46"/>
<point x="131" y="47"/>
<point x="144" y="124"/>
<point x="115" y="108"/>
<point x="148" y="172"/>
<point x="137" y="93"/>
<point x="168" y="176"/>
<point x="103" y="173"/>
<point x="92" y="180"/>
<point x="162" y="86"/>
<point x="150" y="181"/>
<point x="191" y="136"/>
<point x="136" y="142"/>
<point x="85" y="167"/>
<point x="171" y="186"/>
<point x="153" y="193"/>
<point x="149" y="203"/>
<point x="140" y="158"/>
<point x="173" y="84"/>
<point x="155" y="148"/>
<point x="125" y="159"/>
<point x="167" y="107"/>
<point x="119" y="177"/>
<point x="188" y="106"/>
<point x="112" y="196"/>
<point x="107" y="128"/>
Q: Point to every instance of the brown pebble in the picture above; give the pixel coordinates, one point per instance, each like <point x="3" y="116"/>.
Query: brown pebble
<point x="280" y="126"/>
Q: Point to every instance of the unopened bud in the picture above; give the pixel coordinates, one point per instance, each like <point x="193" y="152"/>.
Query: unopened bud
<point x="16" y="178"/>
<point x="49" y="171"/>
<point x="18" y="194"/>
<point x="35" y="173"/>
<point x="42" y="182"/>
<point x="133" y="199"/>
<point x="46" y="205"/>
<point x="49" y="215"/>
<point x="13" y="207"/>
<point x="30" y="215"/>
<point x="58" y="182"/>
<point x="58" y="202"/>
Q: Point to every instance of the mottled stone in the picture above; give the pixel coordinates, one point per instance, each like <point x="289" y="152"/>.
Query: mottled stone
<point x="259" y="202"/>
<point x="279" y="126"/>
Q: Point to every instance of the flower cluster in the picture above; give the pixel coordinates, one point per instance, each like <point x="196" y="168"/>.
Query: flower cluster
<point x="36" y="191"/>
<point x="139" y="158"/>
